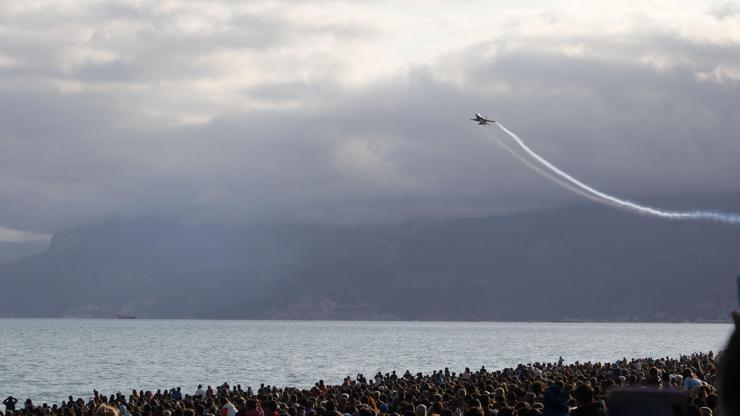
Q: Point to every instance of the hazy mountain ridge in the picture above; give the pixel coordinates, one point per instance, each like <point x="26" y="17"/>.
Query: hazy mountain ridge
<point x="13" y="251"/>
<point x="577" y="262"/>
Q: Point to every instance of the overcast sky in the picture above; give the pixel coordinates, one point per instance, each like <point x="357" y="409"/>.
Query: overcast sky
<point x="354" y="112"/>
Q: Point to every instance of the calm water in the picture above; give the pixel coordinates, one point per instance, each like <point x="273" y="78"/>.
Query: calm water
<point x="47" y="360"/>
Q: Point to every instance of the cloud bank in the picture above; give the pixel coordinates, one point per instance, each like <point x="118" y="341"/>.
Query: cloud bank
<point x="355" y="112"/>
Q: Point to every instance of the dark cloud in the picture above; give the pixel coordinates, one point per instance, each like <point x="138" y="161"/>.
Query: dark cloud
<point x="325" y="150"/>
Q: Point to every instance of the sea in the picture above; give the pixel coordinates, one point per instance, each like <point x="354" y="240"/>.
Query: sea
<point x="47" y="360"/>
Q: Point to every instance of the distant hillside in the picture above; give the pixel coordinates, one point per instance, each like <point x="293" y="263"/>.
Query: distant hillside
<point x="16" y="251"/>
<point x="578" y="262"/>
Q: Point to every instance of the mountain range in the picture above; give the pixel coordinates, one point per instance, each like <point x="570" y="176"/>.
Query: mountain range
<point x="580" y="262"/>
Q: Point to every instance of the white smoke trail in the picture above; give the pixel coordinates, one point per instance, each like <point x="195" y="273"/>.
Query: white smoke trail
<point x="724" y="217"/>
<point x="545" y="173"/>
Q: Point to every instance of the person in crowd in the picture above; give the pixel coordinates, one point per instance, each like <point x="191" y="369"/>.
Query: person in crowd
<point x="586" y="405"/>
<point x="227" y="408"/>
<point x="729" y="371"/>
<point x="10" y="403"/>
<point x="555" y="399"/>
<point x="105" y="410"/>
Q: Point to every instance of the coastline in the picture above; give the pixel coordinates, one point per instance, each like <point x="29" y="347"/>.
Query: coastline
<point x="534" y="321"/>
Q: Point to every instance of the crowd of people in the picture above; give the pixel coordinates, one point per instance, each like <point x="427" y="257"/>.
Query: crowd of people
<point x="547" y="389"/>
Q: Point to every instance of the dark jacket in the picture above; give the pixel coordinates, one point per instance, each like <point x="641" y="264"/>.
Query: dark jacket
<point x="591" y="409"/>
<point x="555" y="401"/>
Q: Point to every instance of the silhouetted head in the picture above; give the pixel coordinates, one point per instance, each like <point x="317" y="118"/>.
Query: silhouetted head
<point x="583" y="394"/>
<point x="729" y="371"/>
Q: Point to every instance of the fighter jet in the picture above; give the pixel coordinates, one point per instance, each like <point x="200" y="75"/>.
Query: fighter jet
<point x="481" y="119"/>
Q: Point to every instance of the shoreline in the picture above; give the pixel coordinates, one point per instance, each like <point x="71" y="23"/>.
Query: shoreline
<point x="569" y="321"/>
